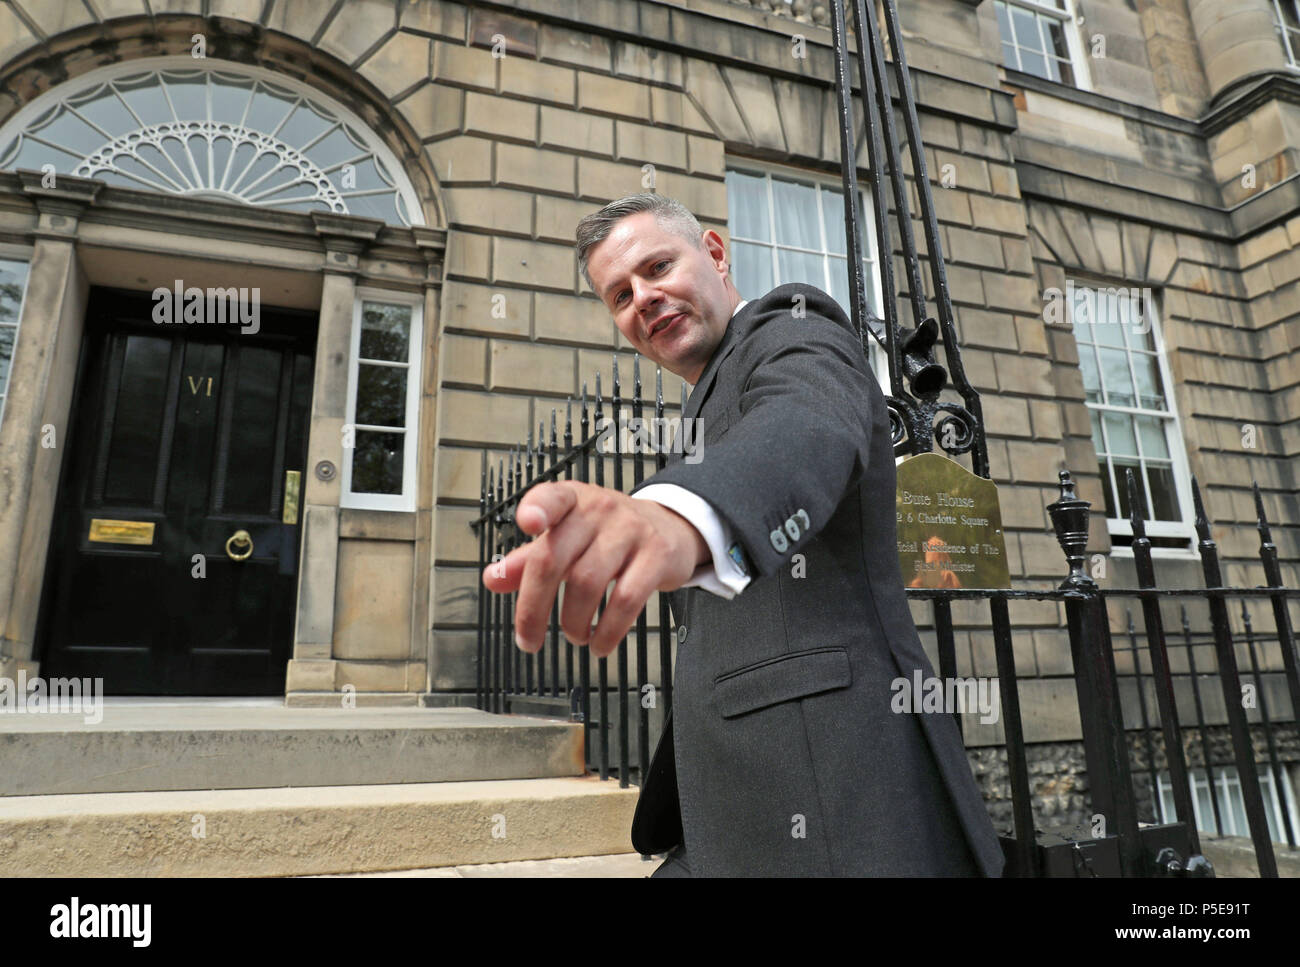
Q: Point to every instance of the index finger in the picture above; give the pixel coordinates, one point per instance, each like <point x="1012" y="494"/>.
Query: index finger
<point x="545" y="505"/>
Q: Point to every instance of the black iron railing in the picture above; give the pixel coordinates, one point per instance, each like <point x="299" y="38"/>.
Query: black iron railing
<point x="509" y="678"/>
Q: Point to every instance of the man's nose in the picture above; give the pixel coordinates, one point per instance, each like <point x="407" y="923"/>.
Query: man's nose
<point x="646" y="294"/>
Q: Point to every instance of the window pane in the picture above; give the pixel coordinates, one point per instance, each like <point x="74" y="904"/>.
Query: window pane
<point x="1121" y="483"/>
<point x="796" y="214"/>
<point x="145" y="98"/>
<point x="385" y="331"/>
<point x="105" y="108"/>
<point x="1291" y="13"/>
<point x="833" y="213"/>
<point x="1164" y="496"/>
<point x="229" y="96"/>
<point x="1119" y="433"/>
<point x="188" y="92"/>
<point x="1098" y="441"/>
<point x="1107" y="491"/>
<point x="377" y="462"/>
<point x="1116" y="377"/>
<point x="751" y="269"/>
<point x="839" y="285"/>
<point x="1056" y="37"/>
<point x="1154" y="441"/>
<point x="1004" y="23"/>
<point x="800" y="267"/>
<point x="747" y="206"/>
<point x="1053" y="70"/>
<point x="381" y="395"/>
<point x="1150" y="392"/>
<point x="1026" y="26"/>
<point x="13" y="277"/>
<point x="1033" y="63"/>
<point x="70" y="131"/>
<point x="1109" y="316"/>
<point x="7" y="336"/>
<point x="1010" y="57"/>
<point x="1091" y="380"/>
<point x="1080" y="316"/>
<point x="1067" y="72"/>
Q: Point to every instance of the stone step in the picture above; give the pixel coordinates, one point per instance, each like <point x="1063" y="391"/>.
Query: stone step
<point x="175" y="746"/>
<point x="608" y="867"/>
<point x="324" y="829"/>
<point x="549" y="706"/>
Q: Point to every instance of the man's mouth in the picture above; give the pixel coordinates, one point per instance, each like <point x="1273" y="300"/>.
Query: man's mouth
<point x="664" y="324"/>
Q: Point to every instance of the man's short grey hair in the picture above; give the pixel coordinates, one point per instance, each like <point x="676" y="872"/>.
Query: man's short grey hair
<point x="671" y="215"/>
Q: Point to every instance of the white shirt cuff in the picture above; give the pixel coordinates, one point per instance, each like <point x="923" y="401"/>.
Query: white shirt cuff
<point x="724" y="577"/>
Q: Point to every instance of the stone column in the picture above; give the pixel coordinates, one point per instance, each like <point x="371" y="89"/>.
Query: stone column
<point x="432" y="244"/>
<point x="36" y="414"/>
<point x="1238" y="40"/>
<point x="312" y="667"/>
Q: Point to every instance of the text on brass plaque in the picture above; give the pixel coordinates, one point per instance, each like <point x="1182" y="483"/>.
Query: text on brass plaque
<point x="949" y="526"/>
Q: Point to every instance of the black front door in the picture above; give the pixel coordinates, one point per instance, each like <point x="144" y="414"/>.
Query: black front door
<point x="174" y="552"/>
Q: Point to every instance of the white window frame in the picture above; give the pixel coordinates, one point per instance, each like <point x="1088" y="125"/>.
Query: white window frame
<point x="1290" y="35"/>
<point x="1122" y="526"/>
<point x="1074" y="42"/>
<point x="879" y="361"/>
<point x="16" y="253"/>
<point x="1228" y="783"/>
<point x="405" y="501"/>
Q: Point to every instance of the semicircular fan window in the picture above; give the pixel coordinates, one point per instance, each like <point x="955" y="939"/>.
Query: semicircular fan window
<point x="213" y="133"/>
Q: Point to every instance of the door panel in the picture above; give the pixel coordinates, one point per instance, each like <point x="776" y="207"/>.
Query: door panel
<point x="190" y="429"/>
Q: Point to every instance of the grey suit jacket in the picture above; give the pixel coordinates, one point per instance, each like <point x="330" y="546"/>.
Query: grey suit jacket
<point x="781" y="754"/>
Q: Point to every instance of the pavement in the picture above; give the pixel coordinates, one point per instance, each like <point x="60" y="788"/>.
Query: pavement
<point x="625" y="865"/>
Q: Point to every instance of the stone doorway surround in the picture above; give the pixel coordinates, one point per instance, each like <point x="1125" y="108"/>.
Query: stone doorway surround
<point x="81" y="233"/>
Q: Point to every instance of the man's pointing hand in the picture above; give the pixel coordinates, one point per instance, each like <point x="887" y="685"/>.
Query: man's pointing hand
<point x="590" y="536"/>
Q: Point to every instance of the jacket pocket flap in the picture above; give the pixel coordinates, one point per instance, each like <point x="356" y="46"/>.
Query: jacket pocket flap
<point x="781" y="679"/>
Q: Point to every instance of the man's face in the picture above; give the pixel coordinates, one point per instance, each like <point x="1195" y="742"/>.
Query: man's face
<point x="670" y="300"/>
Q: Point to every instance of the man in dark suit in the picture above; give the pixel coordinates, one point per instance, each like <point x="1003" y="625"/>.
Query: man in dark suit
<point x="782" y="754"/>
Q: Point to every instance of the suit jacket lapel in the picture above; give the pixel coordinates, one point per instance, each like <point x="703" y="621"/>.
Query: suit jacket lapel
<point x="731" y="337"/>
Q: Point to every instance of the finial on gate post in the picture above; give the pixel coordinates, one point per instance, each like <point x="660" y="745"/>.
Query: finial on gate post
<point x="1070" y="520"/>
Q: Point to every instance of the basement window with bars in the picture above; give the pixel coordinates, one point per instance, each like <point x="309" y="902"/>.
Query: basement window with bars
<point x="788" y="226"/>
<point x="1232" y="805"/>
<point x="381" y="435"/>
<point x="13" y="287"/>
<point x="1039" y="38"/>
<point x="1134" y="422"/>
<point x="1286" y="17"/>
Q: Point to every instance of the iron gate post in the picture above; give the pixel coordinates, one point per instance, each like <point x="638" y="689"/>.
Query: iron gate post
<point x="1100" y="713"/>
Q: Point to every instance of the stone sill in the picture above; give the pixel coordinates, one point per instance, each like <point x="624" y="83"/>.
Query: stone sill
<point x="1101" y="102"/>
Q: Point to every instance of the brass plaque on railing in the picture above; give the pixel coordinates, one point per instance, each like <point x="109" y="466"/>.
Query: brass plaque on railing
<point x="121" y="531"/>
<point x="949" y="526"/>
